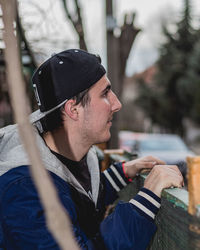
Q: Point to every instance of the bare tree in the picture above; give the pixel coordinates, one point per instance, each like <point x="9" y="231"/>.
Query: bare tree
<point x="126" y="40"/>
<point x="118" y="49"/>
<point x="56" y="217"/>
<point x="42" y="27"/>
<point x="76" y="20"/>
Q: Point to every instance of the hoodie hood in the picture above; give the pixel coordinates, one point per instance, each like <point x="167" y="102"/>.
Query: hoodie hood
<point x="12" y="155"/>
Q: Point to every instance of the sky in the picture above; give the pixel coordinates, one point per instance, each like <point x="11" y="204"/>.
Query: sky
<point x="149" y="14"/>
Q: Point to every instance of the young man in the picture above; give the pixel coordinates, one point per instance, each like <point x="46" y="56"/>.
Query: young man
<point x="76" y="111"/>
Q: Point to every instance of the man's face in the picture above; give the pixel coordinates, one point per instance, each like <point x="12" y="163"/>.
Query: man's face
<point x="98" y="113"/>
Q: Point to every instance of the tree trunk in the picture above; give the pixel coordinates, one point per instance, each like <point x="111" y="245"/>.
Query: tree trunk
<point x="118" y="49"/>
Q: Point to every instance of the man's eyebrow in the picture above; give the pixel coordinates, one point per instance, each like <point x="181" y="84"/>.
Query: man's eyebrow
<point x="108" y="87"/>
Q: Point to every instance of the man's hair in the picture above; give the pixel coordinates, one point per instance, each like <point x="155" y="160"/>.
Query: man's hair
<point x="54" y="120"/>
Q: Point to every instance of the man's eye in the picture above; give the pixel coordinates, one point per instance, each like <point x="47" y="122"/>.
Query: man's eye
<point x="105" y="93"/>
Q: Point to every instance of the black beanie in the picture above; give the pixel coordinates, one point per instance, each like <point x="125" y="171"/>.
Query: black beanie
<point x="62" y="77"/>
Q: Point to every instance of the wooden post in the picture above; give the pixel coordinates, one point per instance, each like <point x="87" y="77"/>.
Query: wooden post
<point x="107" y="152"/>
<point x="193" y="184"/>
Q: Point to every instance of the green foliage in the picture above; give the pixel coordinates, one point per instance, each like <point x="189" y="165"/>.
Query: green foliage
<point x="175" y="91"/>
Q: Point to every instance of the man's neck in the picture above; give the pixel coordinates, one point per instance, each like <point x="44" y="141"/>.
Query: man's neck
<point x="66" y="144"/>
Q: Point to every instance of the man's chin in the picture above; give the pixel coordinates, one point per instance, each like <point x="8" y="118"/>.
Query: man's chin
<point x="104" y="140"/>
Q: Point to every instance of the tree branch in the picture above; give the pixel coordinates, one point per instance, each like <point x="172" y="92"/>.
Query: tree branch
<point x="128" y="35"/>
<point x="77" y="23"/>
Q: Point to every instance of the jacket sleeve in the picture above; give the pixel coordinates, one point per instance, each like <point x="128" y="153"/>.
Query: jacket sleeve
<point x="131" y="225"/>
<point x="113" y="179"/>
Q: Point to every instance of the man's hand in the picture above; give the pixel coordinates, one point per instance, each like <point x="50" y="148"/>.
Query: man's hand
<point x="133" y="167"/>
<point x="163" y="176"/>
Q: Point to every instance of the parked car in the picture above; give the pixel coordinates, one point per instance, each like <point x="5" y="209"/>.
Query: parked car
<point x="168" y="147"/>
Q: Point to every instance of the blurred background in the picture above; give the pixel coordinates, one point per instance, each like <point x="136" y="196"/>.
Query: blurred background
<point x="150" y="48"/>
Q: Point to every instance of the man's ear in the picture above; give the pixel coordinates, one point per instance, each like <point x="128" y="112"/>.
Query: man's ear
<point x="71" y="109"/>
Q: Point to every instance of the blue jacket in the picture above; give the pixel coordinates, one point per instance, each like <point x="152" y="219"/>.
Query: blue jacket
<point x="22" y="220"/>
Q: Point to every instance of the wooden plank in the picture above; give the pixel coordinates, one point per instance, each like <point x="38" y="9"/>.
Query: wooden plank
<point x="118" y="155"/>
<point x="193" y="184"/>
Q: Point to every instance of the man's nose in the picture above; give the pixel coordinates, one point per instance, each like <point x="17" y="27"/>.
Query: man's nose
<point x="116" y="104"/>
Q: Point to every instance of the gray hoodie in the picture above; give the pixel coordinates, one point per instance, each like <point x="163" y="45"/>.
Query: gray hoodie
<point x="12" y="155"/>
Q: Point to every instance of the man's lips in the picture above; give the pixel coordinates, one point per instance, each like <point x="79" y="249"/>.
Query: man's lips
<point x="110" y="120"/>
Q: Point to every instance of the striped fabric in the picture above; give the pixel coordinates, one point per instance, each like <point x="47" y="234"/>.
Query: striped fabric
<point x="143" y="208"/>
<point x="115" y="176"/>
<point x="146" y="203"/>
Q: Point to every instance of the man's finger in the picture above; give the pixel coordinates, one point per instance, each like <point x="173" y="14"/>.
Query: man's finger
<point x="152" y="158"/>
